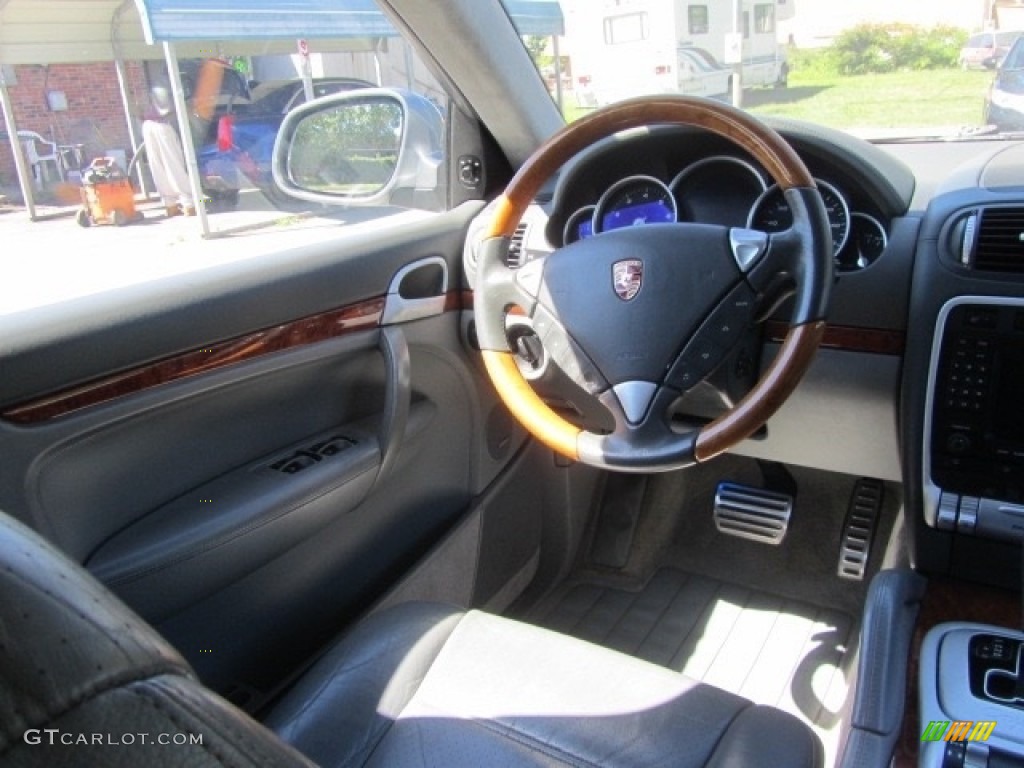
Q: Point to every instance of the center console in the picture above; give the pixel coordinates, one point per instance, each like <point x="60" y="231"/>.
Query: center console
<point x="974" y="419"/>
<point x="972" y="697"/>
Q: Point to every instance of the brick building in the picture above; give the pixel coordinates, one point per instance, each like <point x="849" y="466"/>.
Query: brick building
<point x="94" y="115"/>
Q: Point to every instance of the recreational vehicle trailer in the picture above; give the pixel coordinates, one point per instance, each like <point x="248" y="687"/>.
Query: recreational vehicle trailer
<point x="635" y="47"/>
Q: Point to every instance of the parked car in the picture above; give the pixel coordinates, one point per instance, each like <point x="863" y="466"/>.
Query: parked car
<point x="1004" y="101"/>
<point x="985" y="50"/>
<point x="238" y="144"/>
<point x="680" y="435"/>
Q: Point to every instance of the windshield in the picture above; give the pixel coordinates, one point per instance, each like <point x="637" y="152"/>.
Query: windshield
<point x="879" y="69"/>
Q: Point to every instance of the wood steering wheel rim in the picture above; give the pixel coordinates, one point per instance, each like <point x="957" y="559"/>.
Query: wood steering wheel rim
<point x="779" y="160"/>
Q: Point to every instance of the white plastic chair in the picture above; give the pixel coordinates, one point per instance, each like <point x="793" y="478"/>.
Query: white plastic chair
<point x="33" y="142"/>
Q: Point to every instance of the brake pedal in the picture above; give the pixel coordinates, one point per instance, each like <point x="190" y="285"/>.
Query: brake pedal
<point x="859" y="528"/>
<point x="752" y="513"/>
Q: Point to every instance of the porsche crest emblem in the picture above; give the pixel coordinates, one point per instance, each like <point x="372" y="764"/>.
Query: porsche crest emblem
<point x="627" y="278"/>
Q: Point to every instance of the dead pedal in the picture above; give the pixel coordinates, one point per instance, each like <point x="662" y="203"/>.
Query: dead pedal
<point x="752" y="513"/>
<point x="859" y="528"/>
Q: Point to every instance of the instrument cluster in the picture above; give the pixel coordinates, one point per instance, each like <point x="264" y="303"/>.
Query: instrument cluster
<point x="731" y="192"/>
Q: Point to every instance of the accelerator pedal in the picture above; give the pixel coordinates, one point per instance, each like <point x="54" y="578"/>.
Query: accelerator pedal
<point x="859" y="528"/>
<point x="752" y="513"/>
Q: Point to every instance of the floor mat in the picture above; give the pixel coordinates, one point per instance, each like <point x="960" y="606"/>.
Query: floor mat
<point x="772" y="650"/>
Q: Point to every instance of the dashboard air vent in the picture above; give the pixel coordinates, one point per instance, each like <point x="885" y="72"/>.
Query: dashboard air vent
<point x="517" y="248"/>
<point x="1000" y="240"/>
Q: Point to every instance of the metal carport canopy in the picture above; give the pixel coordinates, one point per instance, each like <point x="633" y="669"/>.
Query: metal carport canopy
<point x="180" y="20"/>
<point x="171" y="21"/>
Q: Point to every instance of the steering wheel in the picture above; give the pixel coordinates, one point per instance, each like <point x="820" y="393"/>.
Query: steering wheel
<point x="638" y="316"/>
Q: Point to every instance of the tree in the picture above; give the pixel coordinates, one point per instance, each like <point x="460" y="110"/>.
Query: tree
<point x="535" y="46"/>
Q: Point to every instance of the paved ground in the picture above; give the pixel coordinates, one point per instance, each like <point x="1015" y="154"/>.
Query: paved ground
<point x="53" y="259"/>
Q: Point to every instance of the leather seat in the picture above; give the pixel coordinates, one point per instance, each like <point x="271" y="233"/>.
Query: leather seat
<point x="84" y="681"/>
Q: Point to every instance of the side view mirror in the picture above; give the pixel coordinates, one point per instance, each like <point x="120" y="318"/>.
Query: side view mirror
<point x="376" y="146"/>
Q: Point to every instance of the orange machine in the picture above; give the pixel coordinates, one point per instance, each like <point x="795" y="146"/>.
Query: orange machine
<point x="107" y="195"/>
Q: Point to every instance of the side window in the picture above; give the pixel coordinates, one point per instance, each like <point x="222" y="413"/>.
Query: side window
<point x="629" y="28"/>
<point x="114" y="142"/>
<point x="697" y="19"/>
<point x="764" y="18"/>
<point x="1015" y="59"/>
<point x="234" y="148"/>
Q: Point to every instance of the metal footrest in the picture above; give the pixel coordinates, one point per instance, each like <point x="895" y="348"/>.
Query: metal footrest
<point x="859" y="528"/>
<point x="752" y="513"/>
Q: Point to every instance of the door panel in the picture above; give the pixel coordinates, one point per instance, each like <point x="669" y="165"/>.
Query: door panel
<point x="109" y="470"/>
<point x="58" y="346"/>
<point x="247" y="471"/>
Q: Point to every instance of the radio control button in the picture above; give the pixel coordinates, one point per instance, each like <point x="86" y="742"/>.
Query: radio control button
<point x="949" y="504"/>
<point x="958" y="444"/>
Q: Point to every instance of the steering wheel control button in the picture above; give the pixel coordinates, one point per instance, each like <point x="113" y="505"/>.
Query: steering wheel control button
<point x="716" y="336"/>
<point x="529" y="277"/>
<point x="543" y="321"/>
<point x="747" y="245"/>
<point x="730" y="318"/>
<point x="698" y="359"/>
<point x="566" y="353"/>
<point x="635" y="398"/>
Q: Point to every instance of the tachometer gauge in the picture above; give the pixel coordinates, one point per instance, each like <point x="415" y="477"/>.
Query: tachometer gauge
<point x="770" y="213"/>
<point x="717" y="190"/>
<point x="579" y="226"/>
<point x="634" y="201"/>
<point x="867" y="241"/>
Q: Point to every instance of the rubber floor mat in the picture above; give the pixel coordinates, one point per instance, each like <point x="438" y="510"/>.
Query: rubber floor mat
<point x="769" y="649"/>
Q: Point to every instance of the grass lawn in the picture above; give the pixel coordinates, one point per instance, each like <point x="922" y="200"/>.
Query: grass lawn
<point x="936" y="99"/>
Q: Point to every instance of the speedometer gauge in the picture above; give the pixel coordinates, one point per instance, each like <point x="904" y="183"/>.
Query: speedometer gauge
<point x="634" y="201"/>
<point x="770" y="213"/>
<point x="579" y="226"/>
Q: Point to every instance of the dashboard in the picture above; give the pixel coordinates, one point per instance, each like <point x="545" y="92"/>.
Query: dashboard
<point x="918" y="380"/>
<point x="679" y="174"/>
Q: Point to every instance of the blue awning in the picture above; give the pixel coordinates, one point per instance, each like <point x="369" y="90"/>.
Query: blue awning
<point x="178" y="20"/>
<point x="536" y="17"/>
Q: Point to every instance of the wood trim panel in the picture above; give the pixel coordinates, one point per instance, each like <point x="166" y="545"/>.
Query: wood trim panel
<point x="876" y="341"/>
<point x="455" y="301"/>
<point x="298" y="333"/>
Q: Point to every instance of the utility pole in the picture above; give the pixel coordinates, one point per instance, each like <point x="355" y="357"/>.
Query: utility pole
<point x="734" y="53"/>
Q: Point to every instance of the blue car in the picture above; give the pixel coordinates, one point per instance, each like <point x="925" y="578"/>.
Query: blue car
<point x="1004" y="103"/>
<point x="239" y="143"/>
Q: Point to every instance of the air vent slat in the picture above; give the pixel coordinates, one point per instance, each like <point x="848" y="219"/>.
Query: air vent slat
<point x="517" y="248"/>
<point x="1000" y="243"/>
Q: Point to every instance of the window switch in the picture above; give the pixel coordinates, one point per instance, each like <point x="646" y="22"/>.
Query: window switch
<point x="295" y="463"/>
<point x="332" y="446"/>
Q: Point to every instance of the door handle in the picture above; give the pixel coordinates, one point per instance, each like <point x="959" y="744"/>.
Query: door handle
<point x="417" y="290"/>
<point x="397" y="398"/>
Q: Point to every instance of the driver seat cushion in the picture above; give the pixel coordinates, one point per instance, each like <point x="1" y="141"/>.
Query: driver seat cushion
<point x="426" y="684"/>
<point x="419" y="684"/>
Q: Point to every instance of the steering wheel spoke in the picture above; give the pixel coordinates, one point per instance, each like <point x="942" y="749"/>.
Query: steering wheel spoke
<point x="502" y="290"/>
<point x="639" y="446"/>
<point x="566" y="353"/>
